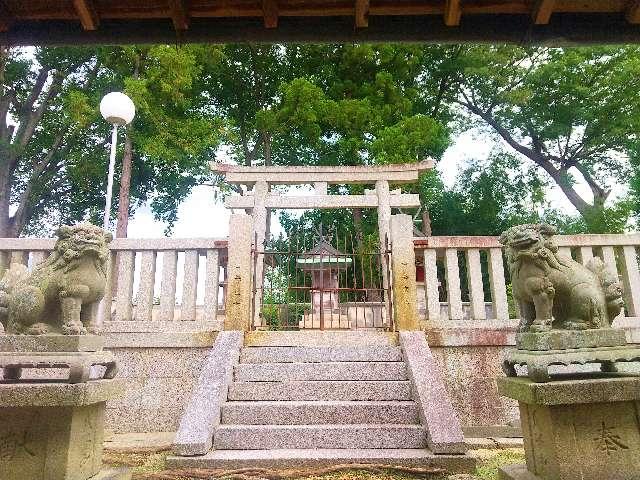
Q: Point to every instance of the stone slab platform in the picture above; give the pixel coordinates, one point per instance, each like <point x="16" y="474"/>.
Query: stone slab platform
<point x="595" y="389"/>
<point x="571" y="339"/>
<point x="59" y="394"/>
<point x="312" y="458"/>
<point x="319" y="338"/>
<point x="51" y="343"/>
<point x="113" y="474"/>
<point x="516" y="472"/>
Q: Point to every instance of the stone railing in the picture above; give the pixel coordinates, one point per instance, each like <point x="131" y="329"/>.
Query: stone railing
<point x="464" y="277"/>
<point x="461" y="278"/>
<point x="150" y="280"/>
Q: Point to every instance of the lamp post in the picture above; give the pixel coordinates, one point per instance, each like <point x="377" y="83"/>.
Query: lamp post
<point x="117" y="109"/>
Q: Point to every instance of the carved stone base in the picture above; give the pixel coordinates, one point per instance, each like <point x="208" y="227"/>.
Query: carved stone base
<point x="77" y="353"/>
<point x="53" y="431"/>
<point x="538" y="361"/>
<point x="571" y="339"/>
<point x="585" y="429"/>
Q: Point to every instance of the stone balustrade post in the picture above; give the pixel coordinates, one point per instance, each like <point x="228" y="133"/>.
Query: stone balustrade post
<point x="239" y="288"/>
<point x="403" y="273"/>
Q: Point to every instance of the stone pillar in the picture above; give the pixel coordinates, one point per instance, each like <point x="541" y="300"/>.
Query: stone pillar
<point x="239" y="267"/>
<point x="403" y="272"/>
<point x="384" y="232"/>
<point x="260" y="220"/>
<point x="577" y="429"/>
<point x="384" y="210"/>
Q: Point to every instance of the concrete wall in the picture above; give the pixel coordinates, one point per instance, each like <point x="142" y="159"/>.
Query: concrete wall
<point x="159" y="377"/>
<point x="161" y="369"/>
<point x="470" y="361"/>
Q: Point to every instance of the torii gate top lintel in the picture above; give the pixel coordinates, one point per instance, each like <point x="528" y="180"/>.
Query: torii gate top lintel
<point x="295" y="175"/>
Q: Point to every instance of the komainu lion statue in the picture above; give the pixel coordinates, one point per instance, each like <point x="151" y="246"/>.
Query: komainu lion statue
<point x="554" y="291"/>
<point x="60" y="294"/>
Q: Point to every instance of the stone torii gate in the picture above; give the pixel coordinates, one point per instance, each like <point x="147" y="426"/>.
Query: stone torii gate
<point x="260" y="200"/>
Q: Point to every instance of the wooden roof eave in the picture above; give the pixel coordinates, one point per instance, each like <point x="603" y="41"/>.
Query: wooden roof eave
<point x="558" y="22"/>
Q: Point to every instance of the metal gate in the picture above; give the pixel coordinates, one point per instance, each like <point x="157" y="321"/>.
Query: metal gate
<point x="322" y="283"/>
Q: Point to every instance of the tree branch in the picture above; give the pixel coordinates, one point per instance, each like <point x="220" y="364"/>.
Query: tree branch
<point x="558" y="176"/>
<point x="38" y="170"/>
<point x="35" y="116"/>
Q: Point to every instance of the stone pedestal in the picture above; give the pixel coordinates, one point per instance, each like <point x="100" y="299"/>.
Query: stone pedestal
<point x="605" y="346"/>
<point x="51" y="428"/>
<point x="54" y="431"/>
<point x="577" y="429"/>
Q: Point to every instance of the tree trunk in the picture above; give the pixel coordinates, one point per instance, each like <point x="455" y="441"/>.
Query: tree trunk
<point x="6" y="230"/>
<point x="267" y="148"/>
<point x="426" y="222"/>
<point x="125" y="186"/>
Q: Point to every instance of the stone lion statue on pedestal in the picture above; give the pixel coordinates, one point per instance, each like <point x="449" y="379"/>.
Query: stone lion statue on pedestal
<point x="554" y="291"/>
<point x="60" y="294"/>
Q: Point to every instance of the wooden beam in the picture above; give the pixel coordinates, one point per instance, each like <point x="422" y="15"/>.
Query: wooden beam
<point x="633" y="11"/>
<point x="179" y="14"/>
<point x="362" y="13"/>
<point x="270" y="13"/>
<point x="87" y="13"/>
<point x="452" y="13"/>
<point x="6" y="19"/>
<point x="542" y="11"/>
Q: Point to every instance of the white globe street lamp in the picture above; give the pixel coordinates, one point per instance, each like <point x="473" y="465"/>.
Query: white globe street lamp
<point x="119" y="110"/>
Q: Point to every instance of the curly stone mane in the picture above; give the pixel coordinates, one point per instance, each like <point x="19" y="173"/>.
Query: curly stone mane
<point x="72" y="245"/>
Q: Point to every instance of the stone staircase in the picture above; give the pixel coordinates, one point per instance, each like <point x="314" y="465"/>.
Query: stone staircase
<point x="312" y="400"/>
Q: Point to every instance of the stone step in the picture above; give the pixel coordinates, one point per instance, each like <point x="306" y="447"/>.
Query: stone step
<point x="319" y="338"/>
<point x="257" y="437"/>
<point x="266" y="372"/>
<point x="321" y="390"/>
<point x="371" y="353"/>
<point x="319" y="412"/>
<point x="316" y="458"/>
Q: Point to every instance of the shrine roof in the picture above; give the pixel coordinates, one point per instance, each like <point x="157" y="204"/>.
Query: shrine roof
<point x="49" y="22"/>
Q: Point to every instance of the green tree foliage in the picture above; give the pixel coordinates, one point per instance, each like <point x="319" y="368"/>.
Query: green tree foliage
<point x="324" y="104"/>
<point x="53" y="142"/>
<point x="488" y="197"/>
<point x="572" y="112"/>
<point x="327" y="105"/>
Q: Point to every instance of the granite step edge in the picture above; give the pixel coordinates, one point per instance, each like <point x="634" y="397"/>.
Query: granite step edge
<point x="311" y="458"/>
<point x="320" y="412"/>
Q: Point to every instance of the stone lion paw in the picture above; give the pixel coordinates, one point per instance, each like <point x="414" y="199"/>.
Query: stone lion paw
<point x="539" y="327"/>
<point x="74" y="329"/>
<point x="576" y="325"/>
<point x="93" y="330"/>
<point x="38" y="329"/>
